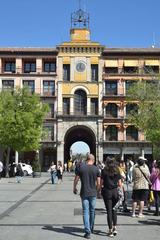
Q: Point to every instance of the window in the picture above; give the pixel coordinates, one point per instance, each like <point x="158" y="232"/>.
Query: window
<point x="49" y="136"/>
<point x="94" y="72"/>
<point x="9" y="66"/>
<point x="80" y="102"/>
<point x="111" y="110"/>
<point x="111" y="70"/>
<point x="129" y="84"/>
<point x="51" y="112"/>
<point x="94" y="106"/>
<point x="48" y="88"/>
<point x="111" y="87"/>
<point x="131" y="107"/>
<point x="131" y="134"/>
<point x="29" y="67"/>
<point x="7" y="84"/>
<point x="49" y="67"/>
<point x="130" y="70"/>
<point x="151" y="69"/>
<point x="30" y="85"/>
<point x="66" y="72"/>
<point x="66" y="106"/>
<point x="111" y="133"/>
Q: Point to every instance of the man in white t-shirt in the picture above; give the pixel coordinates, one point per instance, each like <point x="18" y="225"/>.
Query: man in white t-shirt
<point x="1" y="169"/>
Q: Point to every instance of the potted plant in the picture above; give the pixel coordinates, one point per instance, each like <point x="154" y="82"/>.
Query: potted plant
<point x="36" y="166"/>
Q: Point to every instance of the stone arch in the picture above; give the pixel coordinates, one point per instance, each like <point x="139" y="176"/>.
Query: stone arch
<point x="79" y="133"/>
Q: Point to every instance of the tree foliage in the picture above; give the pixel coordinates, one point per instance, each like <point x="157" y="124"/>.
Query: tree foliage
<point x="21" y="120"/>
<point x="147" y="118"/>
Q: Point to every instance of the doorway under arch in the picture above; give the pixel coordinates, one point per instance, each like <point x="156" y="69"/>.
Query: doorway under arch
<point x="76" y="134"/>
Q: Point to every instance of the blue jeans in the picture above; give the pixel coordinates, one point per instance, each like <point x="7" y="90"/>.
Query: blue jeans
<point x="53" y="177"/>
<point x="88" y="205"/>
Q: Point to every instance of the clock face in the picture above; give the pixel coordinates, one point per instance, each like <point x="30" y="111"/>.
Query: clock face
<point x="80" y="66"/>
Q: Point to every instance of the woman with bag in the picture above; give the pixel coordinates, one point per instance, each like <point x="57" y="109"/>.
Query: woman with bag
<point x="155" y="180"/>
<point x="141" y="182"/>
<point x="110" y="181"/>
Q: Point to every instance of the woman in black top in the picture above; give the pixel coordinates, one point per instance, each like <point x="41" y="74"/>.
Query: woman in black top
<point x="110" y="181"/>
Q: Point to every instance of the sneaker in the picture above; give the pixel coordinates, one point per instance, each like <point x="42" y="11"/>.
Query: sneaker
<point x="140" y="215"/>
<point x="110" y="234"/>
<point x="133" y="215"/>
<point x="114" y="231"/>
<point x="87" y="235"/>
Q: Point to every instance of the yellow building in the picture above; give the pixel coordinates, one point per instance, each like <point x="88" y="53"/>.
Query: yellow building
<point x="85" y="85"/>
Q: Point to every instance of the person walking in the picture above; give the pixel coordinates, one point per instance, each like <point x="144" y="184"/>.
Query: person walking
<point x="89" y="176"/>
<point x="19" y="173"/>
<point x="122" y="169"/>
<point x="130" y="165"/>
<point x="155" y="180"/>
<point x="1" y="169"/>
<point x="110" y="181"/>
<point x="53" y="172"/>
<point x="141" y="175"/>
<point x="59" y="171"/>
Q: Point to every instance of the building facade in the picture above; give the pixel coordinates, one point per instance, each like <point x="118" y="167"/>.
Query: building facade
<point x="85" y="85"/>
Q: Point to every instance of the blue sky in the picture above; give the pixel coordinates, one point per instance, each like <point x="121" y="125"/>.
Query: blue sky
<point x="113" y="23"/>
<point x="80" y="147"/>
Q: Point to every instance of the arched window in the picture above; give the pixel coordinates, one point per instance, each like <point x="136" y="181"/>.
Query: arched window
<point x="111" y="133"/>
<point x="131" y="133"/>
<point x="111" y="110"/>
<point x="80" y="102"/>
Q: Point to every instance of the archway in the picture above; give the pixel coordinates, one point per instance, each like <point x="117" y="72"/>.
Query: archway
<point x="79" y="133"/>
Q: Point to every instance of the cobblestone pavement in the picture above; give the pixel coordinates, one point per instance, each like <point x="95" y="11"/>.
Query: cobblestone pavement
<point x="38" y="210"/>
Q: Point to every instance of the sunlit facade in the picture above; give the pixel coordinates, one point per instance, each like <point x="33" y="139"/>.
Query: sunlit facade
<point x="85" y="85"/>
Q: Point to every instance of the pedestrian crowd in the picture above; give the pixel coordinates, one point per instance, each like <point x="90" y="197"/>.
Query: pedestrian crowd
<point x="107" y="180"/>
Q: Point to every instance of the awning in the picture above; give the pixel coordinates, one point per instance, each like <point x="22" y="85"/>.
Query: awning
<point x="111" y="63"/>
<point x="131" y="63"/>
<point x="152" y="62"/>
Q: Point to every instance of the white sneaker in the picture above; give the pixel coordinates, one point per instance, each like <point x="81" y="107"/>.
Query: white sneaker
<point x="133" y="215"/>
<point x="140" y="215"/>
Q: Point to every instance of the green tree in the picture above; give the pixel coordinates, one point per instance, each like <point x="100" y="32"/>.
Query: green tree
<point x="147" y="118"/>
<point x="21" y="121"/>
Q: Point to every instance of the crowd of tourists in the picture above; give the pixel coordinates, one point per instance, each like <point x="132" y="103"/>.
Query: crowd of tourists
<point x="107" y="180"/>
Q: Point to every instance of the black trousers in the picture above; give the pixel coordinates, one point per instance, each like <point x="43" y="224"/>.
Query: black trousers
<point x="110" y="198"/>
<point x="157" y="200"/>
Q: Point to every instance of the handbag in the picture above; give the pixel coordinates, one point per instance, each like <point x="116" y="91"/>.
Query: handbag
<point x="151" y="196"/>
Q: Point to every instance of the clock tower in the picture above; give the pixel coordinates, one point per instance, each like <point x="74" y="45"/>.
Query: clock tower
<point x="80" y="89"/>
